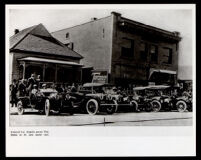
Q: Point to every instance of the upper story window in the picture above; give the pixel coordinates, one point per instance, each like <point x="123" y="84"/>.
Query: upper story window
<point x="67" y="35"/>
<point x="154" y="53"/>
<point x="167" y="55"/>
<point x="127" y="49"/>
<point x="143" y="51"/>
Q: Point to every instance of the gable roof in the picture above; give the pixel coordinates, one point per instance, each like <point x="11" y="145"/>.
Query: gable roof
<point x="37" y="39"/>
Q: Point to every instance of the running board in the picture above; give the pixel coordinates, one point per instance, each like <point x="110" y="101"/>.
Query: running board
<point x="108" y="104"/>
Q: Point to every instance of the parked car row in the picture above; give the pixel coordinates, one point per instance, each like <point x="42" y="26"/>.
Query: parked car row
<point x="94" y="97"/>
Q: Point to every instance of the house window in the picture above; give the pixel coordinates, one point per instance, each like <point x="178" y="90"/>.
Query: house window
<point x="67" y="35"/>
<point x="143" y="51"/>
<point x="127" y="49"/>
<point x="167" y="55"/>
<point x="154" y="53"/>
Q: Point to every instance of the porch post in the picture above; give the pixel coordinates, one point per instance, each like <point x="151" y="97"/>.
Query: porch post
<point x="81" y="75"/>
<point x="44" y="72"/>
<point x="56" y="74"/>
<point x="24" y="69"/>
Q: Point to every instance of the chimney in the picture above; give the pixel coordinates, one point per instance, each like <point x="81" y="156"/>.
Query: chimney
<point x="116" y="14"/>
<point x="176" y="33"/>
<point x="16" y="31"/>
<point x="93" y="19"/>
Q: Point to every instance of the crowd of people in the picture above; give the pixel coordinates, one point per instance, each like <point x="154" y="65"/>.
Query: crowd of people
<point x="23" y="87"/>
<point x="26" y="87"/>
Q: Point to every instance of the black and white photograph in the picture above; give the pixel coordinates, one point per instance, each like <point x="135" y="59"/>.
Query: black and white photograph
<point x="101" y="66"/>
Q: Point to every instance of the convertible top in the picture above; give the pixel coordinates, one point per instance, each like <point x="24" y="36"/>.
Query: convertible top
<point x="48" y="90"/>
<point x="151" y="87"/>
<point x="141" y="88"/>
<point x="158" y="87"/>
<point x="93" y="84"/>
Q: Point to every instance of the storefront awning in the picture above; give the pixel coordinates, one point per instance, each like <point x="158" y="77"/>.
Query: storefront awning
<point x="161" y="71"/>
<point x="35" y="59"/>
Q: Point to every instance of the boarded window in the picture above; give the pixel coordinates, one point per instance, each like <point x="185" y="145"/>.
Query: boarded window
<point x="67" y="35"/>
<point x="143" y="51"/>
<point x="167" y="55"/>
<point x="154" y="53"/>
<point x="127" y="49"/>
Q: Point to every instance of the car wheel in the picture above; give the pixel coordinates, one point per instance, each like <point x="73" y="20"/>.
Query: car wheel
<point x="181" y="106"/>
<point x="134" y="105"/>
<point x="47" y="107"/>
<point x="156" y="106"/>
<point x="92" y="107"/>
<point x="20" y="109"/>
<point x="112" y="108"/>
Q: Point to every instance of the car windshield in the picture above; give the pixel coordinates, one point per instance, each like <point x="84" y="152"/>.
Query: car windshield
<point x="95" y="89"/>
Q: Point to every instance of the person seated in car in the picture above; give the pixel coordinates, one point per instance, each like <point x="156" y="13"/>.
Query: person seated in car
<point x="31" y="82"/>
<point x="114" y="89"/>
<point x="34" y="90"/>
<point x="73" y="88"/>
<point x="59" y="89"/>
<point x="44" y="86"/>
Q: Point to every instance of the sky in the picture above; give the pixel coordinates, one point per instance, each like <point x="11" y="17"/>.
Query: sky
<point x="170" y="18"/>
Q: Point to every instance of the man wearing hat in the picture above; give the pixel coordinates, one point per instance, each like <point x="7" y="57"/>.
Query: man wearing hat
<point x="31" y="82"/>
<point x="34" y="90"/>
<point x="22" y="88"/>
<point x="44" y="86"/>
<point x="13" y="90"/>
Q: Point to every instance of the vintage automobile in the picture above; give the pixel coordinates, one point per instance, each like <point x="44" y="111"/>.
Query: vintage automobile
<point x="35" y="101"/>
<point x="164" y="100"/>
<point x="94" y="99"/>
<point x="181" y="103"/>
<point x="44" y="100"/>
<point x="141" y="102"/>
<point x="159" y="99"/>
<point x="57" y="101"/>
<point x="125" y="101"/>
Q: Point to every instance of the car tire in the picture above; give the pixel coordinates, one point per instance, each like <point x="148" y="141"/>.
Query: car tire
<point x="47" y="107"/>
<point x="112" y="108"/>
<point x="20" y="109"/>
<point x="181" y="106"/>
<point x="92" y="107"/>
<point x="134" y="106"/>
<point x="156" y="106"/>
<point x="147" y="107"/>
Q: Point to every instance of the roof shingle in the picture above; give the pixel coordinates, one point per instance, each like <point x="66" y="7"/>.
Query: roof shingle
<point x="38" y="40"/>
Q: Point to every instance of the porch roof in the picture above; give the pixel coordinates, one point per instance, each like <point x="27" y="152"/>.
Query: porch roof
<point x="35" y="59"/>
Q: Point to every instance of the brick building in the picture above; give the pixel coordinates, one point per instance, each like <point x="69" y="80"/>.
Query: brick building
<point x="129" y="51"/>
<point x="34" y="50"/>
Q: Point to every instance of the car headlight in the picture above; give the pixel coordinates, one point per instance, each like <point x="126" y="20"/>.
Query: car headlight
<point x="109" y="96"/>
<point x="101" y="97"/>
<point x="166" y="100"/>
<point x="67" y="96"/>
